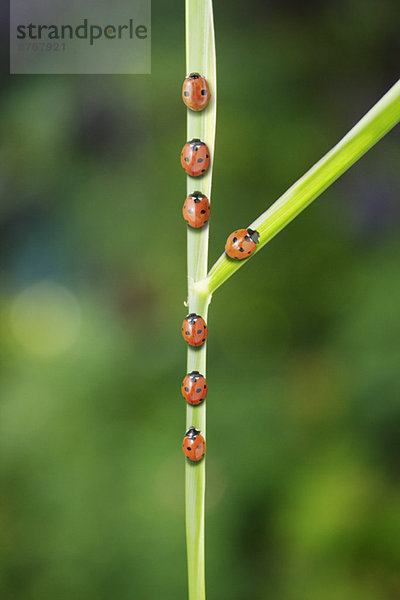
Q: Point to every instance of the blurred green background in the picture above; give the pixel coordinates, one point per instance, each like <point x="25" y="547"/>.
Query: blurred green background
<point x="303" y="496"/>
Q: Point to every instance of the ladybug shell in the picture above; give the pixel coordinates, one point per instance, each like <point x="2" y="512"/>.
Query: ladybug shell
<point x="196" y="210"/>
<point x="241" y="243"/>
<point x="194" y="446"/>
<point x="195" y="92"/>
<point x="195" y="158"/>
<point x="194" y="330"/>
<point x="194" y="388"/>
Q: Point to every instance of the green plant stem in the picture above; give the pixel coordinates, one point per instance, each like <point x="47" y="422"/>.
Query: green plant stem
<point x="200" y="57"/>
<point x="372" y="127"/>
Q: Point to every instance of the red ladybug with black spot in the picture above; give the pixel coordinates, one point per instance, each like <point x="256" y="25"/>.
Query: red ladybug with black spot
<point x="196" y="210"/>
<point x="194" y="330"/>
<point x="242" y="243"/>
<point x="194" y="445"/>
<point x="195" y="92"/>
<point x="195" y="157"/>
<point x="194" y="388"/>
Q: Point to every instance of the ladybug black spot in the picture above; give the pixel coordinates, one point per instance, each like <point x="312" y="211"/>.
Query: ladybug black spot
<point x="241" y="249"/>
<point x="203" y="92"/>
<point x="198" y="391"/>
<point x="206" y="155"/>
<point x="203" y="170"/>
<point x="187" y="332"/>
<point x="199" y="331"/>
<point x="186" y="389"/>
<point x="186" y="159"/>
<point x="202" y="212"/>
<point x="200" y="160"/>
<point x="234" y="239"/>
<point x="189" y="447"/>
<point x="205" y="387"/>
<point x="186" y="94"/>
<point x="249" y="252"/>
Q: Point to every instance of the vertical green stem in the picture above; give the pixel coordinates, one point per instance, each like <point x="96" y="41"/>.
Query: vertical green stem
<point x="200" y="57"/>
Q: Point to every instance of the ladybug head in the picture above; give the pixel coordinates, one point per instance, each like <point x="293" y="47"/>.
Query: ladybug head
<point x="253" y="235"/>
<point x="192" y="318"/>
<point x="197" y="196"/>
<point x="193" y="76"/>
<point x="196" y="143"/>
<point x="192" y="432"/>
<point x="194" y="375"/>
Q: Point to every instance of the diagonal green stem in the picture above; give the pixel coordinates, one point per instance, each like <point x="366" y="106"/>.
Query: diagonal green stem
<point x="200" y="57"/>
<point x="372" y="127"/>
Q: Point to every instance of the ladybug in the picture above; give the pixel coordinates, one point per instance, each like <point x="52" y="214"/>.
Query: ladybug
<point x="195" y="157"/>
<point x="195" y="92"/>
<point x="194" y="388"/>
<point x="196" y="210"/>
<point x="194" y="330"/>
<point x="242" y="243"/>
<point x="194" y="445"/>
